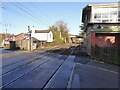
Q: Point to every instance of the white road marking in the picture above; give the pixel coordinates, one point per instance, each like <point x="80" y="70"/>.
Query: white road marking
<point x="97" y="61"/>
<point x="103" y="69"/>
<point x="100" y="68"/>
<point x="71" y="76"/>
<point x="76" y="81"/>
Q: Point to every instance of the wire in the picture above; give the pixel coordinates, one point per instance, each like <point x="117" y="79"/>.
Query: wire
<point x="29" y="12"/>
<point x="39" y="10"/>
<point x="18" y="13"/>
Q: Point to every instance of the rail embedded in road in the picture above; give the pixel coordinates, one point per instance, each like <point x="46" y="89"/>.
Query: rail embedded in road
<point x="16" y="76"/>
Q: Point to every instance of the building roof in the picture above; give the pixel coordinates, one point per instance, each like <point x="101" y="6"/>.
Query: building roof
<point x="42" y="31"/>
<point x="105" y="5"/>
<point x="88" y="8"/>
<point x="19" y="34"/>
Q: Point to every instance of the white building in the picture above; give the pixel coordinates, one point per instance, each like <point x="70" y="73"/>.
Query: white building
<point x="43" y="35"/>
<point x="102" y="13"/>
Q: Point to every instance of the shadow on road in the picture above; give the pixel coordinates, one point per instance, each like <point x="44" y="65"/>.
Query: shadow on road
<point x="78" y="52"/>
<point x="3" y="51"/>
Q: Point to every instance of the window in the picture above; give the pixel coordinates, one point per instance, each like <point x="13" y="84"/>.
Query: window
<point x="50" y="35"/>
<point x="118" y="14"/>
<point x="98" y="20"/>
<point x="97" y="15"/>
<point x="105" y="15"/>
<point x="105" y="21"/>
<point x="111" y="20"/>
<point x="119" y="20"/>
<point x="113" y="13"/>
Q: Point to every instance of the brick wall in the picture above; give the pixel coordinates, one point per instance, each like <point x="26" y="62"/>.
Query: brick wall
<point x="19" y="37"/>
<point x="102" y="40"/>
<point x="108" y="40"/>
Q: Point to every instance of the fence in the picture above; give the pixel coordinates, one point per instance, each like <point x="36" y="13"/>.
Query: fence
<point x="106" y="54"/>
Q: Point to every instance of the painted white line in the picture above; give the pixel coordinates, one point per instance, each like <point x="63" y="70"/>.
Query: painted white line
<point x="59" y="68"/>
<point x="99" y="68"/>
<point x="76" y="81"/>
<point x="79" y="63"/>
<point x="71" y="76"/>
<point x="103" y="69"/>
<point x="97" y="61"/>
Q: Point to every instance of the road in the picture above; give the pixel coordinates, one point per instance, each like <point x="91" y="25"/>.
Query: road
<point x="36" y="70"/>
<point x="57" y="70"/>
<point x="94" y="74"/>
<point x="2" y="51"/>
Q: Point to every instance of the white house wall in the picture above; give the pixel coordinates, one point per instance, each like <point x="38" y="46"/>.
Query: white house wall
<point x="43" y="36"/>
<point x="40" y="36"/>
<point x="50" y="37"/>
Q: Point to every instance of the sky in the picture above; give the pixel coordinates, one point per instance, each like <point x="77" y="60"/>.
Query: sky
<point x="16" y="16"/>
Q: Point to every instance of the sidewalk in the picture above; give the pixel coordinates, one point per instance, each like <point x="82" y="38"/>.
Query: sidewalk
<point x="89" y="73"/>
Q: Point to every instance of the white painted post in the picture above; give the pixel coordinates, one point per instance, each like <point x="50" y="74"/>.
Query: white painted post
<point x="60" y="34"/>
<point x="65" y="39"/>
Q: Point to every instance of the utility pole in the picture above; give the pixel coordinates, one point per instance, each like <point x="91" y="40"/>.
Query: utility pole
<point x="29" y="32"/>
<point x="6" y="34"/>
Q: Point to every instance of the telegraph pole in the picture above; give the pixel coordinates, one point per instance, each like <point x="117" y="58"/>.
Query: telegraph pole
<point x="29" y="32"/>
<point x="6" y="34"/>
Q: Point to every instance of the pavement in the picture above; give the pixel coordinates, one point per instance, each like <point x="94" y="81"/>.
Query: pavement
<point x="50" y="70"/>
<point x="94" y="74"/>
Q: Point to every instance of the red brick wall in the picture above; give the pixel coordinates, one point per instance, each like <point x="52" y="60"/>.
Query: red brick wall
<point x="108" y="40"/>
<point x="105" y="41"/>
<point x="19" y="37"/>
<point x="102" y="40"/>
<point x="91" y="41"/>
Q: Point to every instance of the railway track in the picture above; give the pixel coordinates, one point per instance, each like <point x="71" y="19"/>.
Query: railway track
<point x="47" y="63"/>
<point x="22" y="63"/>
<point x="67" y="52"/>
<point x="14" y="61"/>
<point x="13" y="65"/>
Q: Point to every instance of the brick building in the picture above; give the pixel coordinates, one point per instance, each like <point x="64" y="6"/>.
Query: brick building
<point x="20" y="36"/>
<point x="102" y="25"/>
